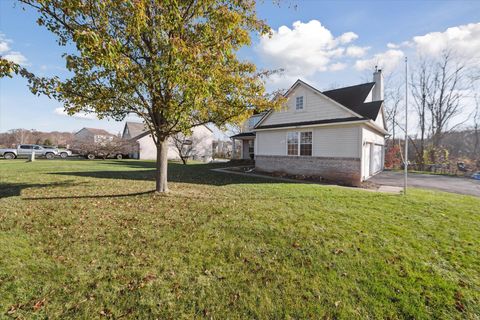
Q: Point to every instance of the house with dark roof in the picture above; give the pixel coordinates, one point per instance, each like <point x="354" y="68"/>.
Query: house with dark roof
<point x="200" y="143"/>
<point x="338" y="134"/>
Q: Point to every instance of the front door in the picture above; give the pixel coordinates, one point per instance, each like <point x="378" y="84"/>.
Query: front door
<point x="251" y="149"/>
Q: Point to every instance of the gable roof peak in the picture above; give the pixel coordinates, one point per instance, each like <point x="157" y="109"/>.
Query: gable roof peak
<point x="95" y="131"/>
<point x="352" y="97"/>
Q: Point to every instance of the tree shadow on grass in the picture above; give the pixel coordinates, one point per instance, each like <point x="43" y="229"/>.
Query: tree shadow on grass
<point x="92" y="196"/>
<point x="193" y="173"/>
<point x="15" y="189"/>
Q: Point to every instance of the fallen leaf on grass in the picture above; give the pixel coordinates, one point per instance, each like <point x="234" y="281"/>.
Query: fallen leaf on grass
<point x="39" y="304"/>
<point x="458" y="302"/>
<point x="338" y="251"/>
<point x="12" y="309"/>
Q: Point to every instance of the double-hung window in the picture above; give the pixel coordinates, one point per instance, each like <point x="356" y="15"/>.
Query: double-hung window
<point x="299" y="103"/>
<point x="292" y="143"/>
<point x="299" y="143"/>
<point x="305" y="143"/>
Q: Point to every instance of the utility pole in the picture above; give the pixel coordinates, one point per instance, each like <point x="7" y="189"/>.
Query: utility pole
<point x="405" y="164"/>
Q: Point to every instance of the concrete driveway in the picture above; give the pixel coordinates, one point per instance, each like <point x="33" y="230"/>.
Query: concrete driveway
<point x="429" y="181"/>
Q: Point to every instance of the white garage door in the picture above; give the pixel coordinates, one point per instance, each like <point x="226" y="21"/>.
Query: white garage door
<point x="366" y="160"/>
<point x="377" y="157"/>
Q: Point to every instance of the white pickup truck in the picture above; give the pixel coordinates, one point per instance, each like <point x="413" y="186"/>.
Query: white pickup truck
<point x="25" y="150"/>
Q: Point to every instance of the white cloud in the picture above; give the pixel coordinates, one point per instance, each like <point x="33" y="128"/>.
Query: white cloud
<point x="80" y="115"/>
<point x="392" y="45"/>
<point x="463" y="40"/>
<point x="4" y="43"/>
<point x="306" y="48"/>
<point x="13" y="56"/>
<point x="4" y="47"/>
<point x="16" y="57"/>
<point x="356" y="51"/>
<point x="387" y="61"/>
<point x="347" y="37"/>
<point x="338" y="66"/>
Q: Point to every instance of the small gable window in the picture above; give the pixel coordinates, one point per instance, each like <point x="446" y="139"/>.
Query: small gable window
<point x="299" y="103"/>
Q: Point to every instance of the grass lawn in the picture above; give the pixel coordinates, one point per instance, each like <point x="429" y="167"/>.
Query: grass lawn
<point x="83" y="239"/>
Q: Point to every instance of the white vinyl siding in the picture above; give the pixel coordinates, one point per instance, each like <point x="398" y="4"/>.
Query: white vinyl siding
<point x="315" y="107"/>
<point x="370" y="135"/>
<point x="271" y="142"/>
<point x="341" y="141"/>
<point x="328" y="141"/>
<point x="379" y="120"/>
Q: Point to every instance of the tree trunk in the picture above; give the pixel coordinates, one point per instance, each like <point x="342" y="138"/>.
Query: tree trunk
<point x="162" y="166"/>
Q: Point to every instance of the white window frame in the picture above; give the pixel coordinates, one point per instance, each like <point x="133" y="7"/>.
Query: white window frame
<point x="296" y="103"/>
<point x="299" y="136"/>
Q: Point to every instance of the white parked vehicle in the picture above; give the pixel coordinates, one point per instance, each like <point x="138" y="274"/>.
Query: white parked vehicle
<point x="62" y="153"/>
<point x="26" y="150"/>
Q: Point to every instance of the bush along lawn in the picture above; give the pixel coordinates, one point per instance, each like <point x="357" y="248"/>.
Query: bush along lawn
<point x="85" y="239"/>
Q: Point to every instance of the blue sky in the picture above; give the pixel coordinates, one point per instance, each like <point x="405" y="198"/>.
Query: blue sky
<point x="339" y="42"/>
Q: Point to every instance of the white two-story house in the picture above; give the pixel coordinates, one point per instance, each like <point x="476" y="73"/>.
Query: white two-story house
<point x="338" y="134"/>
<point x="145" y="148"/>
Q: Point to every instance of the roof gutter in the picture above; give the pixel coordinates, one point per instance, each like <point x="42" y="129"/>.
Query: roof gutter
<point x="315" y="125"/>
<point x="374" y="126"/>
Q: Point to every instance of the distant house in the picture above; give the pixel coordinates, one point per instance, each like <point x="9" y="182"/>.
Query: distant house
<point x="93" y="135"/>
<point x="336" y="134"/>
<point x="201" y="141"/>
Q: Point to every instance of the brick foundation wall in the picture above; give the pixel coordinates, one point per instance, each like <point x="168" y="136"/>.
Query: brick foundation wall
<point x="342" y="170"/>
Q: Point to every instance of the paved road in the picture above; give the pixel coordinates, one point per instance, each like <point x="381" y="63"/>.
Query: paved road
<point x="430" y="181"/>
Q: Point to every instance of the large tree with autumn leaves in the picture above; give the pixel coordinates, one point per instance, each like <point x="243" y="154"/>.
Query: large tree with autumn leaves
<point x="171" y="62"/>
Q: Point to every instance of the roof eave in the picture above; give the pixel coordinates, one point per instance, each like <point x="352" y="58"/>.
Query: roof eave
<point x="375" y="126"/>
<point x="362" y="120"/>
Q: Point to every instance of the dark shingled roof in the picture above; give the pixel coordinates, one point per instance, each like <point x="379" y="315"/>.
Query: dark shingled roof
<point x="353" y="98"/>
<point x="307" y="123"/>
<point x="244" y="135"/>
<point x="369" y="110"/>
<point x="350" y="96"/>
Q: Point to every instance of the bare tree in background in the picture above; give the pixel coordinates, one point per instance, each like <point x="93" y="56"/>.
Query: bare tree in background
<point x="184" y="145"/>
<point x="437" y="88"/>
<point x="476" y="127"/>
<point x="444" y="96"/>
<point x="421" y="86"/>
<point x="393" y="103"/>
